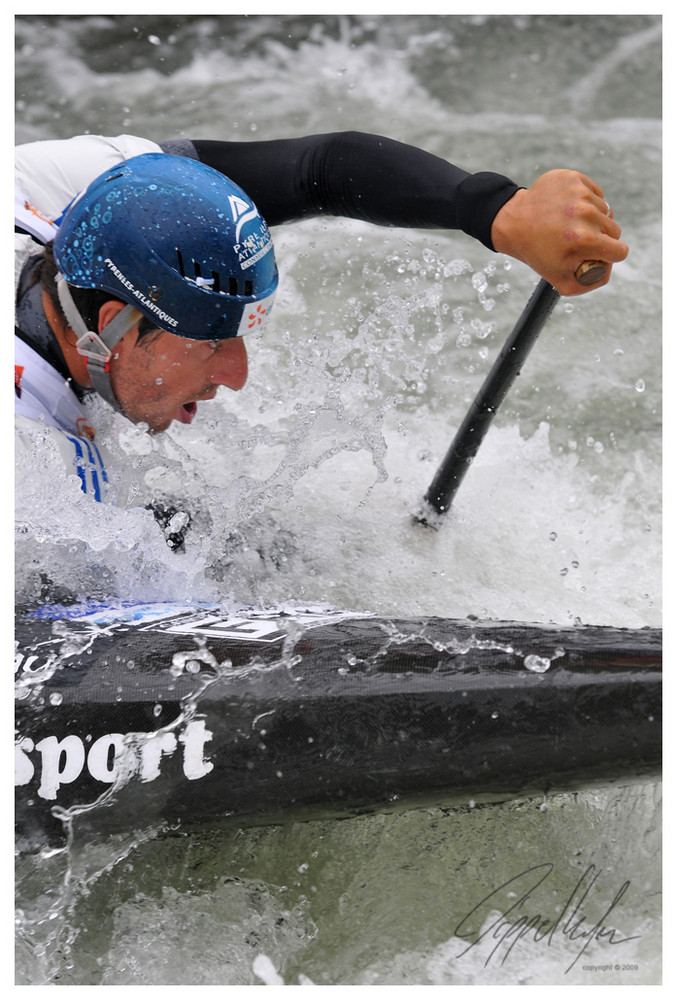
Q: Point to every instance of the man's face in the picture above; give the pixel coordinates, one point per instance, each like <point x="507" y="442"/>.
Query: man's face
<point x="162" y="377"/>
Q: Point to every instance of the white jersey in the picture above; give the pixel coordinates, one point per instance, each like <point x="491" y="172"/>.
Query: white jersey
<point x="45" y="402"/>
<point x="41" y="393"/>
<point x="49" y="175"/>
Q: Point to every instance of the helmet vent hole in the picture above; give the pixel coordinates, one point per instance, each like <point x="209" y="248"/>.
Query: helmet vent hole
<point x="232" y="286"/>
<point x="217" y="281"/>
<point x="179" y="257"/>
<point x="248" y="288"/>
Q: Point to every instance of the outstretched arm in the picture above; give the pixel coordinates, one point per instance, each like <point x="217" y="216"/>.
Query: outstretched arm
<point x="360" y="176"/>
<point x="552" y="226"/>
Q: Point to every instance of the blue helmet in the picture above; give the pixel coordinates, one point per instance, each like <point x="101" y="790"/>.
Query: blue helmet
<point x="175" y="239"/>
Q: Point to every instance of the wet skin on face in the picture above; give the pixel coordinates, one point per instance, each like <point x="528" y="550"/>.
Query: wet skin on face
<point x="161" y="377"/>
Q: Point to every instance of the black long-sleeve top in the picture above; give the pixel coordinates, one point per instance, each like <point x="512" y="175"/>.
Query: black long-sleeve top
<point x="357" y="175"/>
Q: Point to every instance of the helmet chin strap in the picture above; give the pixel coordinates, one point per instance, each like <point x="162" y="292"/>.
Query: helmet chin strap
<point x="97" y="348"/>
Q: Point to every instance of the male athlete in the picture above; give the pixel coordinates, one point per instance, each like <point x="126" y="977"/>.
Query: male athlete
<point x="140" y="266"/>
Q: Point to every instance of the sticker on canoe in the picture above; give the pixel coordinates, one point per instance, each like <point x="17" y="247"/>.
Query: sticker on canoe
<point x="246" y="625"/>
<point x="216" y="626"/>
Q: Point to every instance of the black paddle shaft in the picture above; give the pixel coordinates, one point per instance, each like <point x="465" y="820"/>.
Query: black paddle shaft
<point x="505" y="370"/>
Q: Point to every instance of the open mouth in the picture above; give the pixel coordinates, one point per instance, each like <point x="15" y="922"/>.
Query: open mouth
<point x="188" y="411"/>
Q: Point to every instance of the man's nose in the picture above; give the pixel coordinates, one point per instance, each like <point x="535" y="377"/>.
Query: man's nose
<point x="230" y="364"/>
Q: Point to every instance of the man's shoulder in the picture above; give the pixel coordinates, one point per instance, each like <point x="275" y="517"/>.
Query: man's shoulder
<point x="51" y="172"/>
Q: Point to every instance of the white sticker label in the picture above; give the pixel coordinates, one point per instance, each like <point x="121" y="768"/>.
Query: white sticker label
<point x="256" y="316"/>
<point x="244" y="629"/>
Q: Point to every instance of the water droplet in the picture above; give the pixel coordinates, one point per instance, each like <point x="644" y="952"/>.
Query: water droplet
<point x="553" y="536"/>
<point x="159" y="380"/>
<point x="55" y="698"/>
<point x="537" y="664"/>
<point x="494" y="715"/>
<point x="639" y="385"/>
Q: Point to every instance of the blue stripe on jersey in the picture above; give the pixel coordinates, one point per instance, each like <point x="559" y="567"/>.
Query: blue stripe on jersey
<point x="90" y="468"/>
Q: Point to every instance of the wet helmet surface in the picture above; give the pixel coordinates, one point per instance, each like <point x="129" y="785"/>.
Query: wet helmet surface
<point x="178" y="240"/>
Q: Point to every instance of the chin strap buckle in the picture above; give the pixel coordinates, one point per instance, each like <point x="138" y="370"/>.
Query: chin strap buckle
<point x="95" y="348"/>
<point x="91" y="346"/>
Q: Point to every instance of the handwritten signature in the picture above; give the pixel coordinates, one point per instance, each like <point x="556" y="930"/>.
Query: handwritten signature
<point x="515" y="923"/>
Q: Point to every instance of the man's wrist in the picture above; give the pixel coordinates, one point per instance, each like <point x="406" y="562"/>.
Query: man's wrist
<point x="505" y="228"/>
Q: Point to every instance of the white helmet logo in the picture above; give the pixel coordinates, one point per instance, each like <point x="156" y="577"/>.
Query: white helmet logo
<point x="242" y="212"/>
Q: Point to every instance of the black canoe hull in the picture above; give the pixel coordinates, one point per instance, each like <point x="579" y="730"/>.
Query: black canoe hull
<point x="192" y="716"/>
